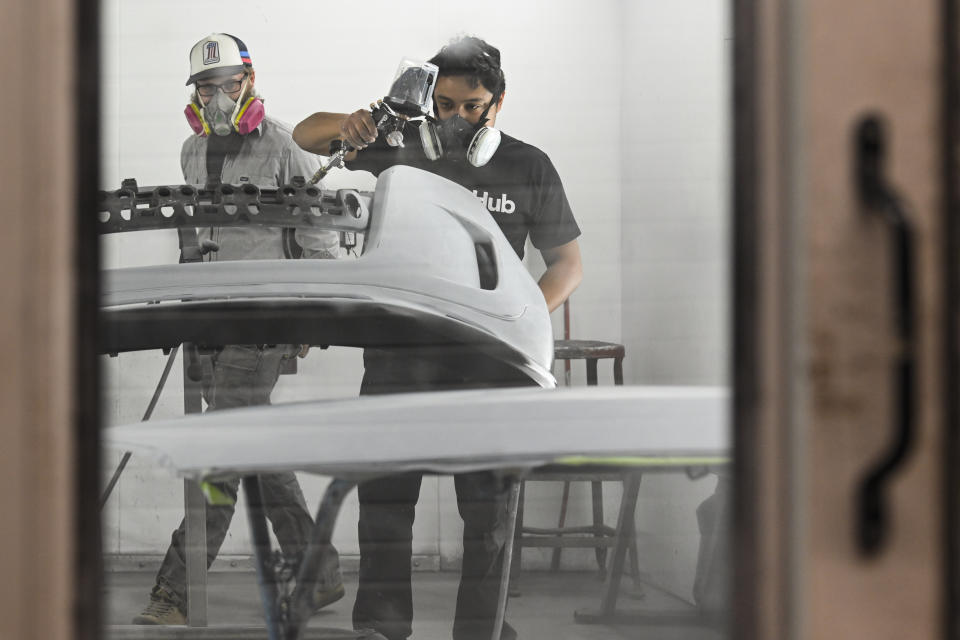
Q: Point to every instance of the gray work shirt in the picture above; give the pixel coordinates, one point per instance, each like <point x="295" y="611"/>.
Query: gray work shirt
<point x="268" y="158"/>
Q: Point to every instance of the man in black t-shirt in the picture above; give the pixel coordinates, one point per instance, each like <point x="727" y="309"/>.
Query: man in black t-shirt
<point x="522" y="191"/>
<point x="519" y="185"/>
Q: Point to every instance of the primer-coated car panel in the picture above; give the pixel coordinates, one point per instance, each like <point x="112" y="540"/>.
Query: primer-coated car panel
<point x="435" y="271"/>
<point x="445" y="432"/>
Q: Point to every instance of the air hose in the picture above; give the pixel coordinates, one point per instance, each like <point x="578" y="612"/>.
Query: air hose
<point x="146" y="416"/>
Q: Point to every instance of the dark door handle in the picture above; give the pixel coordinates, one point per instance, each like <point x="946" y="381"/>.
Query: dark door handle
<point x="878" y="197"/>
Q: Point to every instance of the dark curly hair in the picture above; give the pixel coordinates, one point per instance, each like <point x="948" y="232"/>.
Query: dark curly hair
<point x="475" y="60"/>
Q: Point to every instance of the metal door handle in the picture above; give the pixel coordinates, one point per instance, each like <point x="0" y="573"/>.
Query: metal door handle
<point x="878" y="197"/>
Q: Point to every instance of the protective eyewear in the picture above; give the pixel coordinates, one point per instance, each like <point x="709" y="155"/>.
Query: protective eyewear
<point x="228" y="86"/>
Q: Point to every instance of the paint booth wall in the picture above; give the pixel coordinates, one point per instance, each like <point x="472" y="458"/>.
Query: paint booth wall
<point x="628" y="98"/>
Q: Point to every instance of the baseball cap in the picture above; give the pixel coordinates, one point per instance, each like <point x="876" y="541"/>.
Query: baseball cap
<point x="216" y="55"/>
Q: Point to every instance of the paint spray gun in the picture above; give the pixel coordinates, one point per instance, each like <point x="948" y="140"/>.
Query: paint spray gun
<point x="410" y="98"/>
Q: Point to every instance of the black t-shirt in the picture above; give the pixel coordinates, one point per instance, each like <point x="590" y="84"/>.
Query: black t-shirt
<point x="519" y="186"/>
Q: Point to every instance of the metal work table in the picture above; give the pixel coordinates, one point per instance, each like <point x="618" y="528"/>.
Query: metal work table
<point x="511" y="431"/>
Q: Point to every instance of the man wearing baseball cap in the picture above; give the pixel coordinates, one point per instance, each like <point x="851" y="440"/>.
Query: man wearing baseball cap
<point x="235" y="142"/>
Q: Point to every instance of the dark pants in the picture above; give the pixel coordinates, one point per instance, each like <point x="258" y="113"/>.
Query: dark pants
<point x="387" y="505"/>
<point x="242" y="376"/>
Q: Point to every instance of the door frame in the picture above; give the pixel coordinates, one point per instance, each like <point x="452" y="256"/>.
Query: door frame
<point x="950" y="69"/>
<point x="763" y="602"/>
<point x="88" y="561"/>
<point x="765" y="550"/>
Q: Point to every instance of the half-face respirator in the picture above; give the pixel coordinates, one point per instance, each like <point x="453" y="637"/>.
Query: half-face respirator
<point x="457" y="140"/>
<point x="221" y="115"/>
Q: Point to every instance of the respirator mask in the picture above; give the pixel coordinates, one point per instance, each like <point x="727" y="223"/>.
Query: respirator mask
<point x="457" y="140"/>
<point x="221" y="115"/>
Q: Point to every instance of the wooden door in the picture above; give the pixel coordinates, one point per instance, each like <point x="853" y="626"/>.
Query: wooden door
<point x="817" y="334"/>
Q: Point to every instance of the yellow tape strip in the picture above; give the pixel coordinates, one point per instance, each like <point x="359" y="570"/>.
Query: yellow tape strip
<point x="214" y="495"/>
<point x="643" y="461"/>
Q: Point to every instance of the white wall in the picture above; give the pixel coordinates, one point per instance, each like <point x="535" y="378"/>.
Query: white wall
<point x="674" y="247"/>
<point x="675" y="148"/>
<point x="628" y="99"/>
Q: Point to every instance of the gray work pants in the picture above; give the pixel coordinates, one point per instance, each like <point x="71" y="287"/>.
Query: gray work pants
<point x="243" y="376"/>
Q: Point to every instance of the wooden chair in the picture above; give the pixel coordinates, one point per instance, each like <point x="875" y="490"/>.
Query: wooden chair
<point x="597" y="535"/>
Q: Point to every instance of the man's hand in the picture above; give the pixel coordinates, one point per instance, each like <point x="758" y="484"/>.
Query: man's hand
<point x="358" y="129"/>
<point x="316" y="132"/>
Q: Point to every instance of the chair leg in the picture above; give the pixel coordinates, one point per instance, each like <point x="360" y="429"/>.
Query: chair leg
<point x="628" y="507"/>
<point x="555" y="557"/>
<point x="634" y="555"/>
<point x="517" y="545"/>
<point x="591" y="373"/>
<point x="601" y="552"/>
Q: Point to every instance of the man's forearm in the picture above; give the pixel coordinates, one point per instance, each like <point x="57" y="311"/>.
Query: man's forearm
<point x="558" y="282"/>
<point x="563" y="275"/>
<point x="316" y="132"/>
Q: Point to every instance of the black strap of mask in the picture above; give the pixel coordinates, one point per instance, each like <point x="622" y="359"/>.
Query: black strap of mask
<point x="483" y="116"/>
<point x="218" y="147"/>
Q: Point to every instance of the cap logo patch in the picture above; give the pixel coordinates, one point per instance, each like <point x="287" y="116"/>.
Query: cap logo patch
<point x="211" y="52"/>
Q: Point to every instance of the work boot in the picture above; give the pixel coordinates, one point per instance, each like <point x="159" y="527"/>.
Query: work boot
<point x="324" y="595"/>
<point x="329" y="587"/>
<point x="163" y="608"/>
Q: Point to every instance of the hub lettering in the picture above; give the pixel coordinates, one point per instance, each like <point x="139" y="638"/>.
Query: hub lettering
<point x="503" y="204"/>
